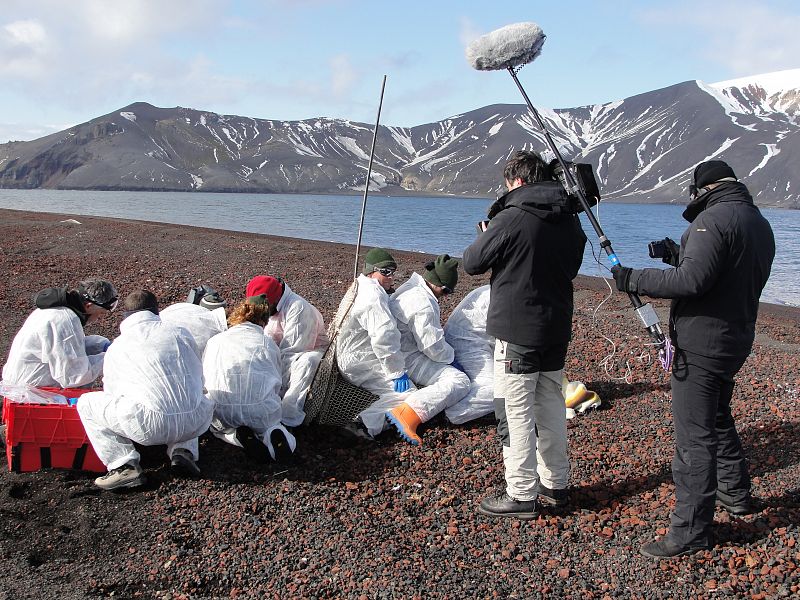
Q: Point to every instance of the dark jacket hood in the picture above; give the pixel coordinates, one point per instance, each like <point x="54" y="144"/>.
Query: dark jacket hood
<point x="546" y="199"/>
<point x="729" y="191"/>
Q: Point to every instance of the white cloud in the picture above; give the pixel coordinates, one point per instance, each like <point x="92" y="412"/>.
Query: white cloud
<point x="744" y="37"/>
<point x="25" y="33"/>
<point x="343" y="75"/>
<point x="468" y="32"/>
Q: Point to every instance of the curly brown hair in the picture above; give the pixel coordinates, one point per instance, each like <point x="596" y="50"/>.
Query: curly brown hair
<point x="249" y="313"/>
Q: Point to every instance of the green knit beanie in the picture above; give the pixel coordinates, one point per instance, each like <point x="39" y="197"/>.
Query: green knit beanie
<point x="378" y="258"/>
<point x="442" y="272"/>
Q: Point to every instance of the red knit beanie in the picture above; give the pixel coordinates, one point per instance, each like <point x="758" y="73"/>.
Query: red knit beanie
<point x="264" y="285"/>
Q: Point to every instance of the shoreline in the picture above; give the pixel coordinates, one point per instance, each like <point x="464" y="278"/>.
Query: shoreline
<point x="591" y="282"/>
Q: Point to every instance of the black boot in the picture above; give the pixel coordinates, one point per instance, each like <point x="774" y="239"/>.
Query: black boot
<point x="506" y="506"/>
<point x="667" y="549"/>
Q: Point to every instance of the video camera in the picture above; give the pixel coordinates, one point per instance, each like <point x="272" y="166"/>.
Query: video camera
<point x="583" y="174"/>
<point x="198" y="293"/>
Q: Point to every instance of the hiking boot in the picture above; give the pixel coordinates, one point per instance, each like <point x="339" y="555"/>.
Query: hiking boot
<point x="735" y="507"/>
<point x="506" y="506"/>
<point x="279" y="447"/>
<point x="127" y="476"/>
<point x="252" y="444"/>
<point x="555" y="498"/>
<point x="182" y="462"/>
<point x="667" y="549"/>
<point x="406" y="421"/>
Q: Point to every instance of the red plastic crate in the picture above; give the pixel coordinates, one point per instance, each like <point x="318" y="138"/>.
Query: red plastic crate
<point x="40" y="436"/>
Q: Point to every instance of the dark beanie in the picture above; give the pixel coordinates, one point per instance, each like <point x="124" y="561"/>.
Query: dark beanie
<point x="442" y="272"/>
<point x="710" y="171"/>
<point x="378" y="258"/>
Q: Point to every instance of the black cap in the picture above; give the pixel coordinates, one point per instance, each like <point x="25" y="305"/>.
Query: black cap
<point x="710" y="171"/>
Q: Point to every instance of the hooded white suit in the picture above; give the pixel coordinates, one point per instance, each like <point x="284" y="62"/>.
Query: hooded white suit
<point x="242" y="374"/>
<point x="299" y="331"/>
<point x="427" y="354"/>
<point x="368" y="351"/>
<point x="465" y="331"/>
<point x="202" y="323"/>
<point x="51" y="350"/>
<point x="153" y="393"/>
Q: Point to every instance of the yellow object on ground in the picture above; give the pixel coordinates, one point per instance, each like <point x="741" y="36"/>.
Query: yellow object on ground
<point x="577" y="398"/>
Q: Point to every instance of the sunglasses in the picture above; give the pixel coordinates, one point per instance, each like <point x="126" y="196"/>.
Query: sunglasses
<point x="386" y="272"/>
<point x="109" y="305"/>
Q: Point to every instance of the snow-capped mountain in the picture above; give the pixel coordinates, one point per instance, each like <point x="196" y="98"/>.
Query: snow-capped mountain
<point x="643" y="148"/>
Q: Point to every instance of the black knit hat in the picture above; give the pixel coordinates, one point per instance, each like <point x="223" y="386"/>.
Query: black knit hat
<point x="442" y="272"/>
<point x="710" y="171"/>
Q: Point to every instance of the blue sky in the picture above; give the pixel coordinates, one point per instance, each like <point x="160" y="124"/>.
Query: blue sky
<point x="66" y="62"/>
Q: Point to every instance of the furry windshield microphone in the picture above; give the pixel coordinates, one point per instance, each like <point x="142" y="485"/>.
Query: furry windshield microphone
<point x="506" y="48"/>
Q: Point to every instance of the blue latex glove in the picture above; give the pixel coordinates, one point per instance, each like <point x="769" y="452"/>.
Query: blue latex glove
<point x="457" y="365"/>
<point x="106" y="345"/>
<point x="401" y="384"/>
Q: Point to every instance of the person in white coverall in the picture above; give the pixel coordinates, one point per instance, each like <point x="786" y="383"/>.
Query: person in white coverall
<point x="203" y="320"/>
<point x="368" y="343"/>
<point x="51" y="349"/>
<point x="153" y="395"/>
<point x="465" y="331"/>
<point x="427" y="355"/>
<point x="299" y="330"/>
<point x="242" y="372"/>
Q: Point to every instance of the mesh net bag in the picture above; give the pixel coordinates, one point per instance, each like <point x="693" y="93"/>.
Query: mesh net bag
<point x="331" y="399"/>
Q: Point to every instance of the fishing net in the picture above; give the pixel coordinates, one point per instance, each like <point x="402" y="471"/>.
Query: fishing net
<point x="331" y="399"/>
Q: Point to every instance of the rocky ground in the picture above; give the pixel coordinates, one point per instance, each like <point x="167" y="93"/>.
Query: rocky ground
<point x="384" y="519"/>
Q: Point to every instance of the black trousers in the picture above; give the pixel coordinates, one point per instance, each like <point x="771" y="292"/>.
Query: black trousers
<point x="708" y="452"/>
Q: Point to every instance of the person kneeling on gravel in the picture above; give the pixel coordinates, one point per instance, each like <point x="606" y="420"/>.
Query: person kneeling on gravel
<point x="153" y="395"/>
<point x="51" y="349"/>
<point x="368" y="344"/>
<point x="242" y="372"/>
<point x="299" y="330"/>
<point x="427" y="355"/>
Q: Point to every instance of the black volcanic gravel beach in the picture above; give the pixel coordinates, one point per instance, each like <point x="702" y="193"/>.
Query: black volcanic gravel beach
<point x="385" y="519"/>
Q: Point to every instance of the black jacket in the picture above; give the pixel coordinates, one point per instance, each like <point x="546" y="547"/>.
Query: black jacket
<point x="725" y="259"/>
<point x="534" y="251"/>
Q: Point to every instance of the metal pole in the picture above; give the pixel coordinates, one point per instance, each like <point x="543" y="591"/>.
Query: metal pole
<point x="648" y="317"/>
<point x="369" y="175"/>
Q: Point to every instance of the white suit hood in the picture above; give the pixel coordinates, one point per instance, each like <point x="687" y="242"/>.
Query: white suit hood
<point x="200" y="322"/>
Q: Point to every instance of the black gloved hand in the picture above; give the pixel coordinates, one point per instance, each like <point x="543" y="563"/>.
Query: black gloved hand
<point x="622" y="277"/>
<point x="671" y="252"/>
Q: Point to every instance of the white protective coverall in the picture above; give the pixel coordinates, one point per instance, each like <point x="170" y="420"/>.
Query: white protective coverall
<point x="299" y="331"/>
<point x="465" y="331"/>
<point x="241" y="367"/>
<point x="202" y="323"/>
<point x="153" y="393"/>
<point x="51" y="350"/>
<point x="368" y="351"/>
<point x="427" y="354"/>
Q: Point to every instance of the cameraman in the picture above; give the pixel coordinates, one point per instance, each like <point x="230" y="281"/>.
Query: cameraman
<point x="534" y="249"/>
<point x="721" y="267"/>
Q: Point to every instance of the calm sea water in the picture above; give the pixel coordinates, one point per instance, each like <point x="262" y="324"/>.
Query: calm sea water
<point x="431" y="225"/>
